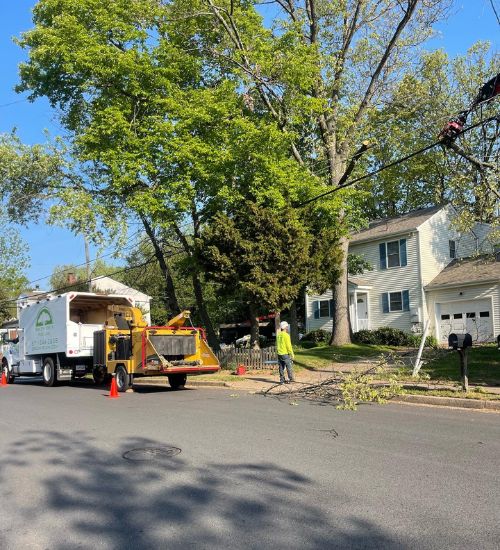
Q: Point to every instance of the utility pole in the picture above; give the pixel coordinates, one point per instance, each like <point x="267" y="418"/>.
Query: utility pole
<point x="87" y="262"/>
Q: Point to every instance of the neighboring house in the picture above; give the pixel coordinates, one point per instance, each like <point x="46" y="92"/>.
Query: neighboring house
<point x="418" y="273"/>
<point x="110" y="286"/>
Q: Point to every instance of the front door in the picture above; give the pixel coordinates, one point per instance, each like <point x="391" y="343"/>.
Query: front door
<point x="362" y="311"/>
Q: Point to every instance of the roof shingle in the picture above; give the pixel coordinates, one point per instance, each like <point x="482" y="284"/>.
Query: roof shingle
<point x="480" y="269"/>
<point x="379" y="229"/>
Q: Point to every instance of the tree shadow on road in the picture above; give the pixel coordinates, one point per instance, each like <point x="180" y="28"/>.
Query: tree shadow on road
<point x="93" y="497"/>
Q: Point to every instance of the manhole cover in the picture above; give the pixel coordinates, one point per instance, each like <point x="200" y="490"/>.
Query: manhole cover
<point x="151" y="453"/>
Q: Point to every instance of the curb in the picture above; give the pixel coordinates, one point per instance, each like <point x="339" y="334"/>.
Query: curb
<point x="448" y="402"/>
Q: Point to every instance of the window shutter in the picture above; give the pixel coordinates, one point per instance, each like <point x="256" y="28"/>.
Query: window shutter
<point x="385" y="302"/>
<point x="383" y="256"/>
<point x="402" y="252"/>
<point x="406" y="300"/>
<point x="332" y="306"/>
<point x="316" y="309"/>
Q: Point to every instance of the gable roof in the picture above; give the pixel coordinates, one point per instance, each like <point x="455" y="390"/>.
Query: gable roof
<point x="380" y="229"/>
<point x="481" y="269"/>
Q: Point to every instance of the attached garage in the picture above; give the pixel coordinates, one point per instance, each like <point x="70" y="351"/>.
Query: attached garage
<point x="465" y="297"/>
<point x="472" y="316"/>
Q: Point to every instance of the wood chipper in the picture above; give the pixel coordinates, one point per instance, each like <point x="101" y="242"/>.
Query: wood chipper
<point x="129" y="348"/>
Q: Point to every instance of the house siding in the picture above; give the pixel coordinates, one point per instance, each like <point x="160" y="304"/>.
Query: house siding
<point x="323" y="323"/>
<point x="434" y="235"/>
<point x="392" y="279"/>
<point x="472" y="292"/>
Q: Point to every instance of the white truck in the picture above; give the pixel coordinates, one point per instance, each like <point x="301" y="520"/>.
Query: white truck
<point x="66" y="337"/>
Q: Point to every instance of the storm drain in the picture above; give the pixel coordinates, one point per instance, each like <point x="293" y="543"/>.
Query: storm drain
<point x="150" y="454"/>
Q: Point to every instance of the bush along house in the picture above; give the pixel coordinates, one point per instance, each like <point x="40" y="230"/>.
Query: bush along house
<point x="421" y="268"/>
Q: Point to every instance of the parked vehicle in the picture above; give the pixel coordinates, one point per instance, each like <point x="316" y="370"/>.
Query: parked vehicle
<point x="66" y="337"/>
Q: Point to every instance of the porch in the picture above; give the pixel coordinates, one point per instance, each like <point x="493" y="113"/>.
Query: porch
<point x="359" y="304"/>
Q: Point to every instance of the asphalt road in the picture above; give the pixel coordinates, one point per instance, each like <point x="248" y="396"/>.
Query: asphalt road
<point x="253" y="472"/>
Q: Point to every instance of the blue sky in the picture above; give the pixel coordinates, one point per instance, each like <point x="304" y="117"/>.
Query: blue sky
<point x="471" y="20"/>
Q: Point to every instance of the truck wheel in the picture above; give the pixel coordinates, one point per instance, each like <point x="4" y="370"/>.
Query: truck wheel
<point x="122" y="379"/>
<point x="177" y="381"/>
<point x="99" y="375"/>
<point x="49" y="372"/>
<point x="8" y="376"/>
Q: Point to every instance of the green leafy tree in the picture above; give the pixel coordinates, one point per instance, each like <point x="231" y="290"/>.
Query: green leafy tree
<point x="162" y="133"/>
<point x="259" y="257"/>
<point x="465" y="174"/>
<point x="318" y="68"/>
<point x="15" y="260"/>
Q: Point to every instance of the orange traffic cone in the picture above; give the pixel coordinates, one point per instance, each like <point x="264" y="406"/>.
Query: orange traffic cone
<point x="113" y="393"/>
<point x="4" y="379"/>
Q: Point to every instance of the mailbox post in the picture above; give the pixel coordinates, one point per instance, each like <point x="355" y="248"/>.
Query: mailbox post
<point x="461" y="343"/>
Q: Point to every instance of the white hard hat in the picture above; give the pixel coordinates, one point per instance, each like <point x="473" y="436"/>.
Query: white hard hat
<point x="283" y="325"/>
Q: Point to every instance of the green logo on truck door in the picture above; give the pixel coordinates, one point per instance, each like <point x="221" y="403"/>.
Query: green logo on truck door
<point x="44" y="318"/>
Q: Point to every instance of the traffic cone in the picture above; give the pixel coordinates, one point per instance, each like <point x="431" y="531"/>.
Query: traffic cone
<point x="4" y="379"/>
<point x="113" y="393"/>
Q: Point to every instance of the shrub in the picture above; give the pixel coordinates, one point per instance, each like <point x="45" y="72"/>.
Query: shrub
<point x="318" y="336"/>
<point x="388" y="336"/>
<point x="365" y="337"/>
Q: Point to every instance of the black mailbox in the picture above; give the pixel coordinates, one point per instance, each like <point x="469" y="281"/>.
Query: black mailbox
<point x="498" y="341"/>
<point x="459" y="341"/>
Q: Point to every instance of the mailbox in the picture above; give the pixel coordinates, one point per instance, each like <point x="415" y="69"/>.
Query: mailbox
<point x="459" y="341"/>
<point x="498" y="341"/>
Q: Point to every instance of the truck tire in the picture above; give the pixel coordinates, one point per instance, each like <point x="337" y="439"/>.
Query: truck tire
<point x="5" y="369"/>
<point x="177" y="381"/>
<point x="122" y="379"/>
<point x="49" y="372"/>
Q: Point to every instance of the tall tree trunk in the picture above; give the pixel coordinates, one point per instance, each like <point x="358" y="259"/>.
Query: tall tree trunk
<point x="198" y="293"/>
<point x="277" y="321"/>
<point x="294" y="325"/>
<point x="341" y="331"/>
<point x="213" y="341"/>
<point x="254" y="327"/>
<point x="169" y="297"/>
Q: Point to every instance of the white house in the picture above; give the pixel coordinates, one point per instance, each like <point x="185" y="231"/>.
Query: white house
<point x="421" y="269"/>
<point x="110" y="286"/>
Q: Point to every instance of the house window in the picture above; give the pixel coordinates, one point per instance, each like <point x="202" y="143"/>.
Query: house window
<point x="396" y="301"/>
<point x="457" y="316"/>
<point x="453" y="249"/>
<point x="393" y="254"/>
<point x="323" y="308"/>
<point x="471" y="315"/>
<point x="484" y="314"/>
<point x="445" y="316"/>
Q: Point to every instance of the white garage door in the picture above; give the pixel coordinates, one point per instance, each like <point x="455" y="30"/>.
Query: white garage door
<point x="472" y="316"/>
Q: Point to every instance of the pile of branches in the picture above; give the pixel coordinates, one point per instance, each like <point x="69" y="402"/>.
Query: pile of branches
<point x="344" y="390"/>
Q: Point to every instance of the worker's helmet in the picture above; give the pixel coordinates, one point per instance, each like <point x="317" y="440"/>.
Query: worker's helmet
<point x="283" y="325"/>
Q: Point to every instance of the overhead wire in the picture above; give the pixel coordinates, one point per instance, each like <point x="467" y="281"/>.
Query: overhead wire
<point x="390" y="165"/>
<point x="71" y="287"/>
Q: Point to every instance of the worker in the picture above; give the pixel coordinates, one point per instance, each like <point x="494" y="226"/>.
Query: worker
<point x="285" y="353"/>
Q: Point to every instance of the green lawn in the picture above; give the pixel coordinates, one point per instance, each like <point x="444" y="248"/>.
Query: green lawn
<point x="324" y="356"/>
<point x="484" y="366"/>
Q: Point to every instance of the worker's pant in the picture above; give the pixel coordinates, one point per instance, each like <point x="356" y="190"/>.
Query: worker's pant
<point x="285" y="361"/>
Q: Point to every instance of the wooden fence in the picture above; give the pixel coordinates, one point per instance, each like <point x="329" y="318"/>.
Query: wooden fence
<point x="251" y="358"/>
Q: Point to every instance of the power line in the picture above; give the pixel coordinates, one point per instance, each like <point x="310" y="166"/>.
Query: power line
<point x="495" y="11"/>
<point x="390" y="165"/>
<point x="71" y="287"/>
